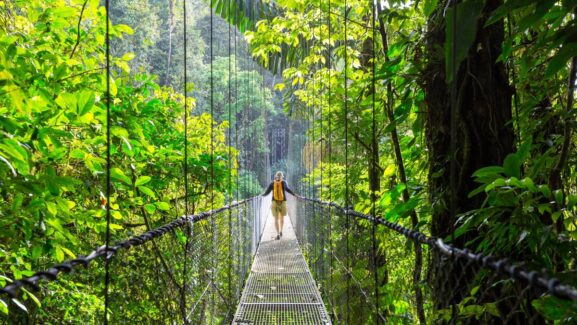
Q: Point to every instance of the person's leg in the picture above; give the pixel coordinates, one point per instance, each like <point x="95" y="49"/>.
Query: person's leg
<point x="276" y="224"/>
<point x="275" y="213"/>
<point x="281" y="222"/>
<point x="281" y="215"/>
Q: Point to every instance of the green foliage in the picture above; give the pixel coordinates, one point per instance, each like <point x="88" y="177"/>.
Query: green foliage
<point x="53" y="147"/>
<point x="468" y="13"/>
<point x="53" y="121"/>
<point x="517" y="213"/>
<point x="555" y="309"/>
<point x="523" y="216"/>
<point x="249" y="185"/>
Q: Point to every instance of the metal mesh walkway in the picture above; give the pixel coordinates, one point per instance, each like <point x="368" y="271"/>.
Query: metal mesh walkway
<point x="280" y="288"/>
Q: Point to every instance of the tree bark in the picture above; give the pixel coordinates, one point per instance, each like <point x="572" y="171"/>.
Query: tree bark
<point x="484" y="137"/>
<point x="555" y="181"/>
<point x="417" y="270"/>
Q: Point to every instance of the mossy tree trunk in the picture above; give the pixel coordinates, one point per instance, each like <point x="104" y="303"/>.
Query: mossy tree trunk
<point x="484" y="136"/>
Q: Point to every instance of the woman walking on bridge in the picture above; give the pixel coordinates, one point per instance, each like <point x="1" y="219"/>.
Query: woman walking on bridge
<point x="279" y="188"/>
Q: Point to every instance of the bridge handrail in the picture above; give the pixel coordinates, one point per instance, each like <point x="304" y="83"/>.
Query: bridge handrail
<point x="52" y="273"/>
<point x="501" y="265"/>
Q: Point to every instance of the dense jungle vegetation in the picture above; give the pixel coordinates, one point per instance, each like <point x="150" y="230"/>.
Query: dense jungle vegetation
<point x="53" y="122"/>
<point x="515" y="70"/>
<point x="363" y="93"/>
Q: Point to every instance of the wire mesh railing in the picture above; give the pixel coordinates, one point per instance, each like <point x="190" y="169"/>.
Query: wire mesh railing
<point x="189" y="271"/>
<point x="458" y="286"/>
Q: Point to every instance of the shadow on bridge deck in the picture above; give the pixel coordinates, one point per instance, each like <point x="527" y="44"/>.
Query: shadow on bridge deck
<point x="280" y="288"/>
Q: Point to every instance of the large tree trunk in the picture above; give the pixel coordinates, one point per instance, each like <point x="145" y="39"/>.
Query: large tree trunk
<point x="484" y="137"/>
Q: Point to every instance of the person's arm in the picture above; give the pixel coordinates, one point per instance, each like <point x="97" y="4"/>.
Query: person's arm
<point x="269" y="188"/>
<point x="288" y="189"/>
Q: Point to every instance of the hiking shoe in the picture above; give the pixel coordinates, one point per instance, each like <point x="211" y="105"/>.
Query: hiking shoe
<point x="277" y="237"/>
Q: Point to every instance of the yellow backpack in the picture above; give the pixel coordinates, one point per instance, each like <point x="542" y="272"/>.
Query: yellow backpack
<point x="277" y="193"/>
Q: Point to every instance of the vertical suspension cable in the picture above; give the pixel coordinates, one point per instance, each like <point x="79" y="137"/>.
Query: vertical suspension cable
<point x="253" y="90"/>
<point x="330" y="158"/>
<point x="312" y="143"/>
<point x="186" y="210"/>
<point x="374" y="165"/>
<point x="211" y="186"/>
<point x="108" y="165"/>
<point x="264" y="101"/>
<point x="245" y="111"/>
<point x="346" y="108"/>
<point x="230" y="258"/>
<point x="240" y="234"/>
<point x="244" y="108"/>
<point x="453" y="135"/>
<point x="245" y="139"/>
<point x="321" y="142"/>
<point x="236" y="115"/>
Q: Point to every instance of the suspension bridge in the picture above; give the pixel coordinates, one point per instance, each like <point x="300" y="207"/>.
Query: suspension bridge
<point x="315" y="274"/>
<point x="224" y="265"/>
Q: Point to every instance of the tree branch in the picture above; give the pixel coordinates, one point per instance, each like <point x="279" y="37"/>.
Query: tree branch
<point x="402" y="175"/>
<point x="562" y="162"/>
<point x="78" y="29"/>
<point x="356" y="136"/>
<point x="155" y="247"/>
<point x="80" y="74"/>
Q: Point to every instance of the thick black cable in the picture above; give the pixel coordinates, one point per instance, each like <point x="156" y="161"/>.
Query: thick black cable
<point x="107" y="251"/>
<point x="503" y="266"/>
<point x="108" y="165"/>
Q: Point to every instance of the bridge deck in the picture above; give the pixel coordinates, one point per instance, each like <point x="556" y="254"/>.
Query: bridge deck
<point x="280" y="288"/>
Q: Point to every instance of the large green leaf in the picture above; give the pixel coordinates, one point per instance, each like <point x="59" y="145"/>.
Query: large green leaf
<point x="512" y="165"/>
<point x="163" y="206"/>
<point x="3" y="307"/>
<point x="85" y="102"/>
<point x="142" y="180"/>
<point x="466" y="21"/>
<point x="147" y="191"/>
<point x="118" y="174"/>
<point x="559" y="60"/>
<point x="429" y="6"/>
<point x="554" y="308"/>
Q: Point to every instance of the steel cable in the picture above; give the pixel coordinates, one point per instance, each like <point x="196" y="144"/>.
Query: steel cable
<point x="108" y="165"/>
<point x="185" y="169"/>
<point x="501" y="265"/>
<point x="107" y="251"/>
